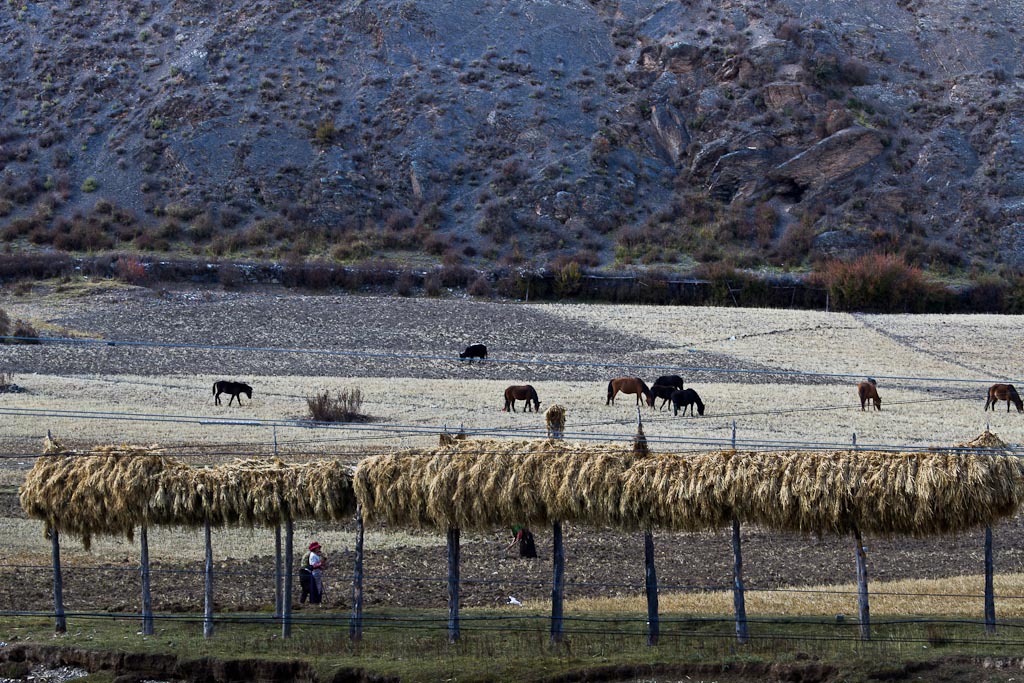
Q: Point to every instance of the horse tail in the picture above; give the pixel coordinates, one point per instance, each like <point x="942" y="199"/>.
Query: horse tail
<point x="610" y="389"/>
<point x="215" y="388"/>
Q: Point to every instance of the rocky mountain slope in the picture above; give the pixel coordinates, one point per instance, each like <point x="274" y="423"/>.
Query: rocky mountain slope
<point x="516" y="132"/>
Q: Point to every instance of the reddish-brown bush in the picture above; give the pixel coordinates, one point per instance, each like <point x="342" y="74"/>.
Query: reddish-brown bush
<point x="878" y="282"/>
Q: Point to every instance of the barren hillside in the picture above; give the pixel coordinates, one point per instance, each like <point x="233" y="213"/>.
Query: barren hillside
<point x="520" y="132"/>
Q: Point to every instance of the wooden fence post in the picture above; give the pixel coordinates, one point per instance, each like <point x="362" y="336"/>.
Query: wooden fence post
<point x="208" y="582"/>
<point x="557" y="558"/>
<point x="453" y="585"/>
<point x="557" y="584"/>
<point x="278" y="574"/>
<point x="286" y="613"/>
<point x="60" y="624"/>
<point x="862" y="587"/>
<point x="641" y="450"/>
<point x="738" y="597"/>
<point x="147" y="599"/>
<point x="651" y="586"/>
<point x="355" y="628"/>
<point x="990" y="595"/>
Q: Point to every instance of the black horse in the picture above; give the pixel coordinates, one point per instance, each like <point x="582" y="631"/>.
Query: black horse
<point x="686" y="398"/>
<point x="232" y="389"/>
<point x="664" y="392"/>
<point x="474" y="351"/>
<point x="674" y="381"/>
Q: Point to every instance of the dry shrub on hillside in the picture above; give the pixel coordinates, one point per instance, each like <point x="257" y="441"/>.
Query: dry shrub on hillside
<point x="343" y="407"/>
<point x="26" y="331"/>
<point x="878" y="282"/>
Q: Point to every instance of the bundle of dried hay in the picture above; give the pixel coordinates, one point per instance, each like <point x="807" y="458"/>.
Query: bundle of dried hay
<point x="673" y="492"/>
<point x="447" y="439"/>
<point x="986" y="440"/>
<point x="554" y="416"/>
<point x="105" y="490"/>
<point x="640" y="447"/>
<point x="915" y="494"/>
<point x="486" y="484"/>
<point x="255" y="492"/>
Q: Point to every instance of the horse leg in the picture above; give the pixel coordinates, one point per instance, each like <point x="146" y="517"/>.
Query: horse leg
<point x="216" y="400"/>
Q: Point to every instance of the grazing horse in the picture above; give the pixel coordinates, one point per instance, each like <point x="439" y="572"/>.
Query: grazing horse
<point x="1004" y="392"/>
<point x="474" y="351"/>
<point x="232" y="389"/>
<point x="629" y="385"/>
<point x="686" y="398"/>
<point x="664" y="392"/>
<point x="521" y="392"/>
<point x="869" y="390"/>
<point x="674" y="381"/>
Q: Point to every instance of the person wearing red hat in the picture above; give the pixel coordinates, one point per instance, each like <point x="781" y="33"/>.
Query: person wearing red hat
<point x="311" y="575"/>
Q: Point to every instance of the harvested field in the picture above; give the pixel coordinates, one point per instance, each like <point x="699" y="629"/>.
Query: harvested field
<point x="402" y="355"/>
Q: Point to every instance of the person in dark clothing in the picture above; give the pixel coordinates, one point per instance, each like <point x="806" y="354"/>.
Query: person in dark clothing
<point x="309" y="575"/>
<point x="522" y="536"/>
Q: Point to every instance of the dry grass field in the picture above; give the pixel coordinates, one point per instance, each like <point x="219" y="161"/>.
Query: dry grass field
<point x="751" y="367"/>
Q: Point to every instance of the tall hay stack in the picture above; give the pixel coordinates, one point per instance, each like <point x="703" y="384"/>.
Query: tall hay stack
<point x="554" y="417"/>
<point x="255" y="493"/>
<point x="103" y="491"/>
<point x="111" y="490"/>
<point x="486" y="484"/>
<point x="916" y="494"/>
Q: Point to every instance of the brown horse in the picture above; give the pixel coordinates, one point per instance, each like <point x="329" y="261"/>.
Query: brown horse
<point x="521" y="392"/>
<point x="869" y="390"/>
<point x="629" y="385"/>
<point x="1004" y="392"/>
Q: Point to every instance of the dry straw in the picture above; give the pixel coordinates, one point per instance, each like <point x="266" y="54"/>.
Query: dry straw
<point x="104" y="491"/>
<point x="915" y="494"/>
<point x="554" y="417"/>
<point x="485" y="484"/>
<point x="255" y="492"/>
<point x="110" y="490"/>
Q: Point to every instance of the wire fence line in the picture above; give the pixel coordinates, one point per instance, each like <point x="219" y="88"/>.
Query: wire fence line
<point x="771" y="631"/>
<point x="542" y="583"/>
<point x="362" y="432"/>
<point x="506" y="361"/>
